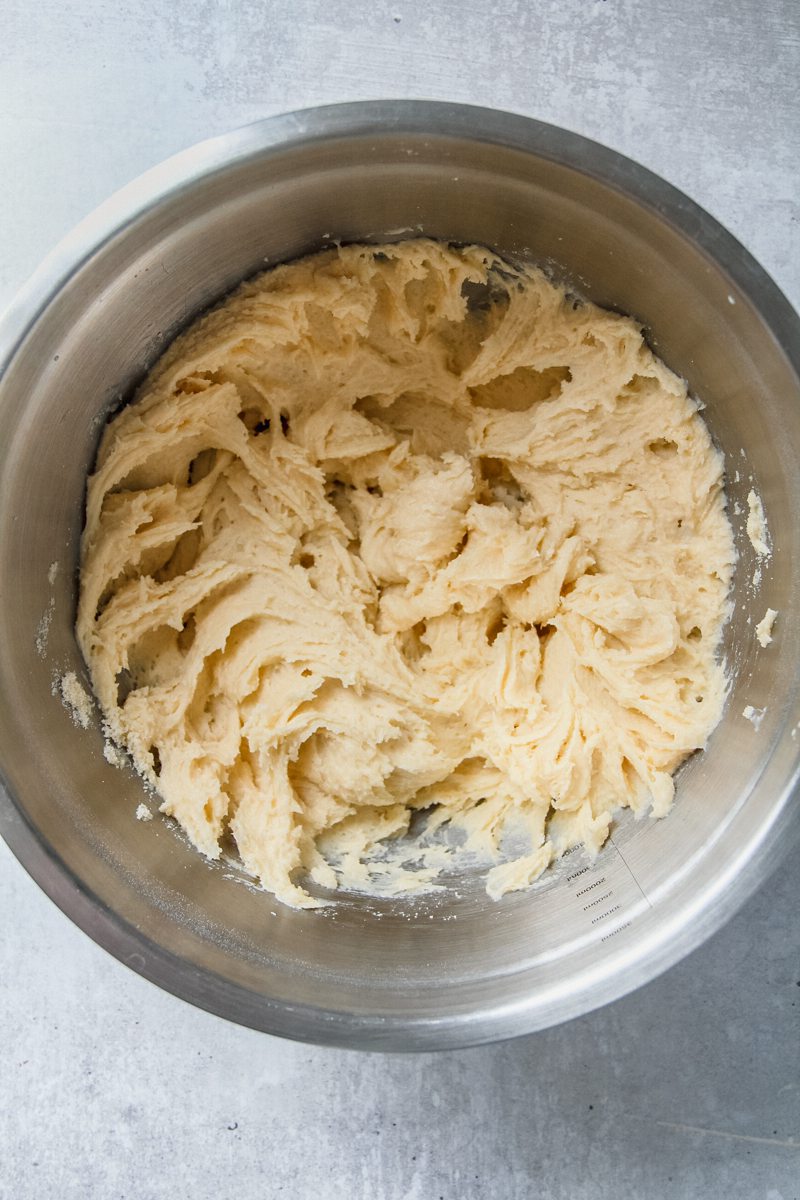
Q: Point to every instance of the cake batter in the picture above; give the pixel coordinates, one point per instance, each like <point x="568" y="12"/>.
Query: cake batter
<point x="406" y="529"/>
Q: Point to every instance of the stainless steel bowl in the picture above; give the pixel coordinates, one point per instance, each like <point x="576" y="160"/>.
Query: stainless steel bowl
<point x="453" y="968"/>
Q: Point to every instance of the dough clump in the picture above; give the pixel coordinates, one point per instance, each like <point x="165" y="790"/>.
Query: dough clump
<point x="406" y="529"/>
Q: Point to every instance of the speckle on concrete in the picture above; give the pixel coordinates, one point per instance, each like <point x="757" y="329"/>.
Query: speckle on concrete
<point x="111" y="1089"/>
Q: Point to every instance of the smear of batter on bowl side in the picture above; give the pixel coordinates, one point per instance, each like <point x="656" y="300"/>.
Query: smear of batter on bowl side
<point x="765" y="626"/>
<point x="397" y="529"/>
<point x="756" y="524"/>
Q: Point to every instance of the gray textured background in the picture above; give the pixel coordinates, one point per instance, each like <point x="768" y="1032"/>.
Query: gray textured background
<point x="690" y="1087"/>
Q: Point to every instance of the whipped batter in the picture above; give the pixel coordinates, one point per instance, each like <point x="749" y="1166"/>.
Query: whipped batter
<point x="405" y="528"/>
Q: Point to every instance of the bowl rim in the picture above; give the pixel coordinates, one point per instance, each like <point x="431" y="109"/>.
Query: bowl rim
<point x="622" y="970"/>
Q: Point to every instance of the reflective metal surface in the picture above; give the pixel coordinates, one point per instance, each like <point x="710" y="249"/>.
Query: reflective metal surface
<point x="452" y="968"/>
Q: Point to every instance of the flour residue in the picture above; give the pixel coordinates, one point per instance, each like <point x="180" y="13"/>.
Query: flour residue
<point x="43" y="628"/>
<point x="76" y="699"/>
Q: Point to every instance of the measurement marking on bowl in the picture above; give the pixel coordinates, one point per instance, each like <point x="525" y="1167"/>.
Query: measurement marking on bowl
<point x="590" y="886"/>
<point x="628" y="868"/>
<point x="607" y="890"/>
<point x="582" y="871"/>
<point x="614" y="932"/>
<point x="609" y="913"/>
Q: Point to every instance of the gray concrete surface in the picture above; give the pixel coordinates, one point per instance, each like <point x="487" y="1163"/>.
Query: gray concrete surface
<point x="690" y="1087"/>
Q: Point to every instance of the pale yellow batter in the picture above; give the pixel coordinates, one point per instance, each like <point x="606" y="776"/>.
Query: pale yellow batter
<point x="404" y="528"/>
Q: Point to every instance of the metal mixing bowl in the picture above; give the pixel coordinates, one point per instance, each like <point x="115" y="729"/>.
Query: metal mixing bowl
<point x="452" y="968"/>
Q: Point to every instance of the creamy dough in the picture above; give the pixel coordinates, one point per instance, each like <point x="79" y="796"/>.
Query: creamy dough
<point x="765" y="626"/>
<point x="405" y="528"/>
